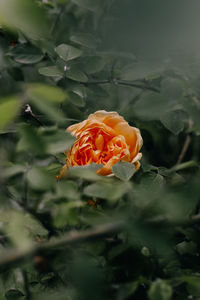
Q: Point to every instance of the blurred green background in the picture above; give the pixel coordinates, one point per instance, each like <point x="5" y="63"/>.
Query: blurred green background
<point x="136" y="234"/>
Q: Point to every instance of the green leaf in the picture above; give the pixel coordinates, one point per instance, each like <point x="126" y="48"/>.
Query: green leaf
<point x="193" y="285"/>
<point x="76" y="74"/>
<point x="151" y="106"/>
<point x="14" y="295"/>
<point x="160" y="290"/>
<point x="49" y="110"/>
<point x="45" y="97"/>
<point x="76" y="99"/>
<point x="185" y="165"/>
<point x="51" y="71"/>
<point x="24" y="16"/>
<point x="58" y="142"/>
<point x="174" y="121"/>
<point x="23" y="229"/>
<point x="40" y="179"/>
<point x="92" y="64"/>
<point x="123" y="170"/>
<point x="16" y="229"/>
<point x="9" y="108"/>
<point x="186" y="248"/>
<point x="85" y="39"/>
<point x="66" y="214"/>
<point x="67" y="52"/>
<point x="14" y="170"/>
<point x="31" y="140"/>
<point x="92" y="5"/>
<point x="110" y="191"/>
<point x="26" y="54"/>
<point x="87" y="172"/>
<point x="172" y="87"/>
<point x="68" y="189"/>
<point x="46" y="92"/>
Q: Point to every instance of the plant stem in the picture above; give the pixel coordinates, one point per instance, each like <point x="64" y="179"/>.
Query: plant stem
<point x="13" y="256"/>
<point x="135" y="84"/>
<point x="185" y="145"/>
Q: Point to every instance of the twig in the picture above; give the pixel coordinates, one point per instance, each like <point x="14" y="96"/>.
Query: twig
<point x="26" y="285"/>
<point x="14" y="256"/>
<point x="185" y="145"/>
<point x="28" y="111"/>
<point x="124" y="82"/>
<point x="58" y="160"/>
<point x="184" y="149"/>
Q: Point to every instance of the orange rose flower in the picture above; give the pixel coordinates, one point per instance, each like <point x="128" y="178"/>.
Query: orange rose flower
<point x="104" y="138"/>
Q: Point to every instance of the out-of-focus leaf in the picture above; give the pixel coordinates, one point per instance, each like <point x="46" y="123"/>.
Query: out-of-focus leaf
<point x="49" y="110"/>
<point x="58" y="142"/>
<point x="92" y="64"/>
<point x="174" y="120"/>
<point x="31" y="140"/>
<point x="85" y="39"/>
<point x="68" y="189"/>
<point x="92" y="5"/>
<point x="109" y="191"/>
<point x="14" y="170"/>
<point x="160" y="290"/>
<point x="14" y="295"/>
<point x="23" y="229"/>
<point x="46" y="92"/>
<point x="186" y="248"/>
<point x="67" y="52"/>
<point x="151" y="106"/>
<point x="40" y="179"/>
<point x="16" y="229"/>
<point x="172" y="88"/>
<point x="185" y="165"/>
<point x="140" y="70"/>
<point x="123" y="170"/>
<point x="9" y="107"/>
<point x="25" y="16"/>
<point x="45" y="97"/>
<point x="193" y="285"/>
<point x="86" y="172"/>
<point x="51" y="71"/>
<point x="66" y="214"/>
<point x="26" y="54"/>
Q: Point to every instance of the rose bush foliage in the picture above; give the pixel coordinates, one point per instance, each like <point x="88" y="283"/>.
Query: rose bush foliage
<point x="126" y="65"/>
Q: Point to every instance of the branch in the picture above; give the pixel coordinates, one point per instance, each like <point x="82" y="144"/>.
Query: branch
<point x="185" y="145"/>
<point x="184" y="149"/>
<point x="28" y="111"/>
<point x="14" y="256"/>
<point x="162" y="220"/>
<point x="125" y="82"/>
